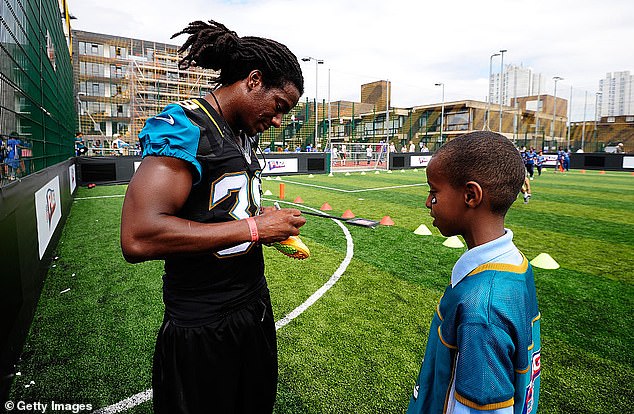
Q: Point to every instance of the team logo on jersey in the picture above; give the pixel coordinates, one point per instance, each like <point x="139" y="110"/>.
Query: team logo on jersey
<point x="188" y="104"/>
<point x="169" y="119"/>
<point x="536" y="369"/>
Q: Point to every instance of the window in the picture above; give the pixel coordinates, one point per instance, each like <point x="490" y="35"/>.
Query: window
<point x="610" y="119"/>
<point x="458" y="121"/>
<point x="629" y="119"/>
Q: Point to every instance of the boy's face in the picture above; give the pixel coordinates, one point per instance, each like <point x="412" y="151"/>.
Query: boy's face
<point x="446" y="203"/>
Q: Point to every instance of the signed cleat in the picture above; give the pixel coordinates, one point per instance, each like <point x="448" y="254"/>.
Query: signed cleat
<point x="293" y="247"/>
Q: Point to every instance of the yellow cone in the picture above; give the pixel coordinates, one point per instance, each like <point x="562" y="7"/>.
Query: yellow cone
<point x="347" y="174"/>
<point x="376" y="172"/>
<point x="278" y="178"/>
<point x="330" y="175"/>
<point x="389" y="171"/>
<point x="454" y="242"/>
<point x="268" y="192"/>
<point x="362" y="172"/>
<point x="311" y="176"/>
<point x="422" y="230"/>
<point x="544" y="261"/>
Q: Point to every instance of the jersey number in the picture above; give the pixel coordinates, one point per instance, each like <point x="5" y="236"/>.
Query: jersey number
<point x="245" y="192"/>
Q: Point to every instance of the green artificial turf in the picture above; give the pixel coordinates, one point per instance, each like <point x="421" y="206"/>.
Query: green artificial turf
<point x="359" y="347"/>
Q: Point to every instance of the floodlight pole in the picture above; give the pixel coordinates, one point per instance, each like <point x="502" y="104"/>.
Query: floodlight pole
<point x="488" y="114"/>
<point x="442" y="107"/>
<point x="501" y="83"/>
<point x="552" y="126"/>
<point x="583" y="128"/>
<point x="596" y="115"/>
<point x="317" y="63"/>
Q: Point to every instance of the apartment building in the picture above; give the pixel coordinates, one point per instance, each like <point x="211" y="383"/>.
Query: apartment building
<point x="616" y="95"/>
<point x="120" y="82"/>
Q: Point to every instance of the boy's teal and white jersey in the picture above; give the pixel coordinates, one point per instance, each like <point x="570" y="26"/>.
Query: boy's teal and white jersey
<point x="483" y="350"/>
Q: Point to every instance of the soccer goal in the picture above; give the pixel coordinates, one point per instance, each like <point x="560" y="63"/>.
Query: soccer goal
<point x="358" y="156"/>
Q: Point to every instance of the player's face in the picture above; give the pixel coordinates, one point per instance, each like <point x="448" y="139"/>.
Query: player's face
<point x="446" y="203"/>
<point x="266" y="106"/>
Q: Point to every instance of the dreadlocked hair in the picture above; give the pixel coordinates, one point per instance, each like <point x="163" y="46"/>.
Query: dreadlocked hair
<point x="212" y="46"/>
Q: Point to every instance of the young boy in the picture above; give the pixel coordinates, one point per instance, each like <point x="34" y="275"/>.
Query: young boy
<point x="483" y="350"/>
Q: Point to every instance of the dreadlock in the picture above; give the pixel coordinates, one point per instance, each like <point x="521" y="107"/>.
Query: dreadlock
<point x="213" y="46"/>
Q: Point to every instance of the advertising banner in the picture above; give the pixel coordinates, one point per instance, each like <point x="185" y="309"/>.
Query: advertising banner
<point x="71" y="178"/>
<point x="48" y="212"/>
<point x="279" y="165"/>
<point x="419" y="160"/>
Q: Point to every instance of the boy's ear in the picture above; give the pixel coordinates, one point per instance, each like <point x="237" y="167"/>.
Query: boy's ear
<point x="254" y="79"/>
<point x="473" y="194"/>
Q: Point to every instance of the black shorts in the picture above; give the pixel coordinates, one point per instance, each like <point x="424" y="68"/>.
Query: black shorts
<point x="226" y="366"/>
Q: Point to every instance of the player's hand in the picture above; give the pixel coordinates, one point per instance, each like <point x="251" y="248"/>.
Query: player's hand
<point x="277" y="225"/>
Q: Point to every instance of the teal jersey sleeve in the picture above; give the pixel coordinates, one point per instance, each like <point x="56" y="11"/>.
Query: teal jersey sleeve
<point x="172" y="134"/>
<point x="485" y="372"/>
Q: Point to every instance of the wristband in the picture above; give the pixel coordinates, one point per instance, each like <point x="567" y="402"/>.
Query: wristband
<point x="253" y="229"/>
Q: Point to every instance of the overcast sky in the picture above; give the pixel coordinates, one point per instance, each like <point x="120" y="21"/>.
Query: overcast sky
<point x="412" y="43"/>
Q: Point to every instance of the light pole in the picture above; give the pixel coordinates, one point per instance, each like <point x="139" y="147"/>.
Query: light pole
<point x="501" y="84"/>
<point x="442" y="107"/>
<point x="596" y="115"/>
<point x="317" y="63"/>
<point x="552" y="126"/>
<point x="583" y="128"/>
<point x="488" y="115"/>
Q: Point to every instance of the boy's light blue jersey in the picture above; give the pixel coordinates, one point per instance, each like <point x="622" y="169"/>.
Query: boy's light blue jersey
<point x="484" y="344"/>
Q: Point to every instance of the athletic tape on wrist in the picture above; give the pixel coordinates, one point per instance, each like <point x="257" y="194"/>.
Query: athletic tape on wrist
<point x="253" y="228"/>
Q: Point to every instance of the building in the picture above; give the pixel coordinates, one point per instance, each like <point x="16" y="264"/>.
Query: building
<point x="517" y="81"/>
<point x="120" y="82"/>
<point x="616" y="96"/>
<point x="36" y="83"/>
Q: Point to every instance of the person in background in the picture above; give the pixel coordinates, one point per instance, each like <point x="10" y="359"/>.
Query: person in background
<point x="3" y="155"/>
<point x="484" y="351"/>
<point x="12" y="159"/>
<point x="423" y="147"/>
<point x="539" y="162"/>
<point x="195" y="203"/>
<point x="412" y="147"/>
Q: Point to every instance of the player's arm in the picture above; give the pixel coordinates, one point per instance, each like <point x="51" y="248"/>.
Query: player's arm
<point x="150" y="228"/>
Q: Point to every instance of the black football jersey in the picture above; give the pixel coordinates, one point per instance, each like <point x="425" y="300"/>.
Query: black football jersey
<point x="227" y="187"/>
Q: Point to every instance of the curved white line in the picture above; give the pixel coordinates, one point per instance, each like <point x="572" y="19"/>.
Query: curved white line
<point x="333" y="279"/>
<point x="147" y="394"/>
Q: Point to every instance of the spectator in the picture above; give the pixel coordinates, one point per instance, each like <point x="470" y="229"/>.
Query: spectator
<point x="392" y="147"/>
<point x="423" y="147"/>
<point x="368" y="154"/>
<point x="412" y="147"/>
<point x="619" y="148"/>
<point x="12" y="159"/>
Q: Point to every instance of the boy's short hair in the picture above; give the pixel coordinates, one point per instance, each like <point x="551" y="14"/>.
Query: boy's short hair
<point x="489" y="159"/>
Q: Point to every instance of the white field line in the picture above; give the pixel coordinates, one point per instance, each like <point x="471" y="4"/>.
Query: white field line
<point x="354" y="191"/>
<point x="147" y="394"/>
<point x="96" y="197"/>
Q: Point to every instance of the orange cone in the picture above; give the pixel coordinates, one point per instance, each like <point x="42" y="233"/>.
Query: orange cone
<point x="325" y="207"/>
<point x="601" y="172"/>
<point x="386" y="221"/>
<point x="347" y="214"/>
<point x="632" y="173"/>
<point x="298" y="200"/>
<point x="582" y="171"/>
